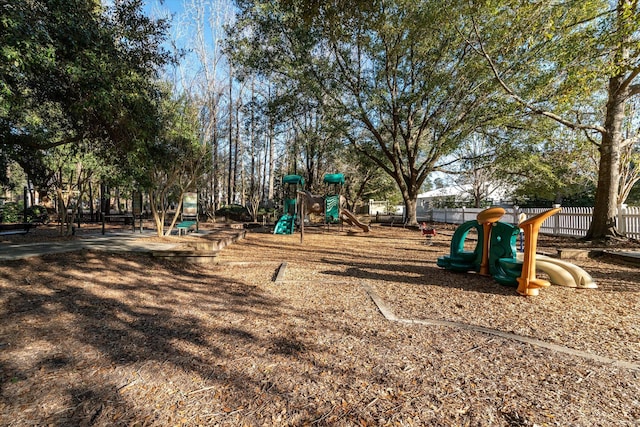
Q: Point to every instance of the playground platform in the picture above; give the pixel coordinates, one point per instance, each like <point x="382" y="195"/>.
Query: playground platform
<point x="127" y="242"/>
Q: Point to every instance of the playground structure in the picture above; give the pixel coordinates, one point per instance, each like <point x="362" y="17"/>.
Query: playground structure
<point x="299" y="202"/>
<point x="334" y="200"/>
<point x="495" y="254"/>
<point x="286" y="224"/>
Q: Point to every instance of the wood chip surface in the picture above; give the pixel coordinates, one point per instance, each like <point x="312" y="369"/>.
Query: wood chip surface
<point x="98" y="339"/>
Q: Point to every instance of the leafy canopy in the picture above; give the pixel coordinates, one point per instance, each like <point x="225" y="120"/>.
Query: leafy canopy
<point x="73" y="70"/>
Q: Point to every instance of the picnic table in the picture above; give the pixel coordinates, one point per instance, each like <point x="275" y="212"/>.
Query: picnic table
<point x="185" y="226"/>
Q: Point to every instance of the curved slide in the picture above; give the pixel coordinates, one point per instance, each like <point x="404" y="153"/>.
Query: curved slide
<point x="563" y="273"/>
<point x="351" y="219"/>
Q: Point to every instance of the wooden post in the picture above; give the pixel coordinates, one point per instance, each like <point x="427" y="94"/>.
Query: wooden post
<point x="301" y="221"/>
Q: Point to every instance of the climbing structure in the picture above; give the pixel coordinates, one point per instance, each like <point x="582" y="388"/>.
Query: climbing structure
<point x="495" y="254"/>
<point x="460" y="259"/>
<point x="291" y="185"/>
<point x="332" y="199"/>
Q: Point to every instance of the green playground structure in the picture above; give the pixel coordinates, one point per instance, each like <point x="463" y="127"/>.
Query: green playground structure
<point x="334" y="182"/>
<point x="495" y="254"/>
<point x="287" y="222"/>
<point x="330" y="204"/>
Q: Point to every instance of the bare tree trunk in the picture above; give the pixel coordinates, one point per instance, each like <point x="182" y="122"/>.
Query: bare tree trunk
<point x="271" y="161"/>
<point x="158" y="212"/>
<point x="266" y="179"/>
<point x="229" y="179"/>
<point x="215" y="170"/>
<point x="410" y="205"/>
<point x="252" y="148"/>
<point x="238" y="187"/>
<point x="620" y="90"/>
<point x="243" y="187"/>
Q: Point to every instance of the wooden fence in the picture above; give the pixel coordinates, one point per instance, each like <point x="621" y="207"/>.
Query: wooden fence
<point x="571" y="221"/>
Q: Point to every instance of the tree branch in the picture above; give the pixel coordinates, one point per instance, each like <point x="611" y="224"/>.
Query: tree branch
<point x="626" y="84"/>
<point x="571" y="125"/>
<point x="630" y="141"/>
<point x="37" y="143"/>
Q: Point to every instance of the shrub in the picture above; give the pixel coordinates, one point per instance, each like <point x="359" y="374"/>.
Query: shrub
<point x="11" y="212"/>
<point x="38" y="214"/>
<point x="234" y="212"/>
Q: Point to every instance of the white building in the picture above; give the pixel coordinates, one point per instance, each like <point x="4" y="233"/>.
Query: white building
<point x="498" y="194"/>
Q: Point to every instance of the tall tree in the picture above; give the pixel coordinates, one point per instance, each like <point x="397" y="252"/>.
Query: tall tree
<point x="550" y="56"/>
<point x="72" y="167"/>
<point x="398" y="73"/>
<point x="201" y="74"/>
<point x="477" y="169"/>
<point x="542" y="161"/>
<point x="72" y="70"/>
<point x="172" y="164"/>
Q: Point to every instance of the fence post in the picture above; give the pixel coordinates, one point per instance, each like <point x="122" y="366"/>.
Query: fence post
<point x="463" y="211"/>
<point x="556" y="221"/>
<point x="622" y="219"/>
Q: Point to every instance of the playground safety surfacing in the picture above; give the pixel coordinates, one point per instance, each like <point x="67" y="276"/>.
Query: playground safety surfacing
<point x="104" y="339"/>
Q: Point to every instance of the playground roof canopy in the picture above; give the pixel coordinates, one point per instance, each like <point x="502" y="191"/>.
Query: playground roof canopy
<point x="334" y="178"/>
<point x="293" y="179"/>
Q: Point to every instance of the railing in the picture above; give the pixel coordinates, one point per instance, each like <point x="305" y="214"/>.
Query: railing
<point x="571" y="221"/>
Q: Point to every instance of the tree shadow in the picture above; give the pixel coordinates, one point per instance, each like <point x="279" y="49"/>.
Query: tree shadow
<point x="152" y="312"/>
<point x="420" y="275"/>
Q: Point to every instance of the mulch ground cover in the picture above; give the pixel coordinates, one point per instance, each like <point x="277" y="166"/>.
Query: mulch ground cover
<point x="345" y="328"/>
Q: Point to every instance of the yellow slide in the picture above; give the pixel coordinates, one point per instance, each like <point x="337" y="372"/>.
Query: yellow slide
<point x="581" y="279"/>
<point x="351" y="219"/>
<point x="563" y="273"/>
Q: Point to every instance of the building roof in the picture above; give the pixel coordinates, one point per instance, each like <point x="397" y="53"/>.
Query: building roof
<point x="455" y="190"/>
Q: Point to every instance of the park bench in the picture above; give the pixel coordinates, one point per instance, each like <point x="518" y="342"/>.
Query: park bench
<point x="126" y="219"/>
<point x="185" y="226"/>
<point x="18" y="228"/>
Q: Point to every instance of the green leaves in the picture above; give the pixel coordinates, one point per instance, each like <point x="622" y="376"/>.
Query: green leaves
<point x="397" y="73"/>
<point x="80" y="60"/>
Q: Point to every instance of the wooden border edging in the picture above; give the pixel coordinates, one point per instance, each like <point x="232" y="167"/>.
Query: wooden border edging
<point x="200" y="252"/>
<point x="280" y="274"/>
<point x="389" y="315"/>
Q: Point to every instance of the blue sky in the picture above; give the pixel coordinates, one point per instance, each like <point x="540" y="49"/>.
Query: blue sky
<point x="188" y="19"/>
<point x="152" y="7"/>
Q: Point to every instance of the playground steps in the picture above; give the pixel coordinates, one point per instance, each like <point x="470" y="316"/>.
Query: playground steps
<point x="200" y="252"/>
<point x="462" y="261"/>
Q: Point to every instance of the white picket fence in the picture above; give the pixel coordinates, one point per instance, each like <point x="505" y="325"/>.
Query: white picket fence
<point x="570" y="221"/>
